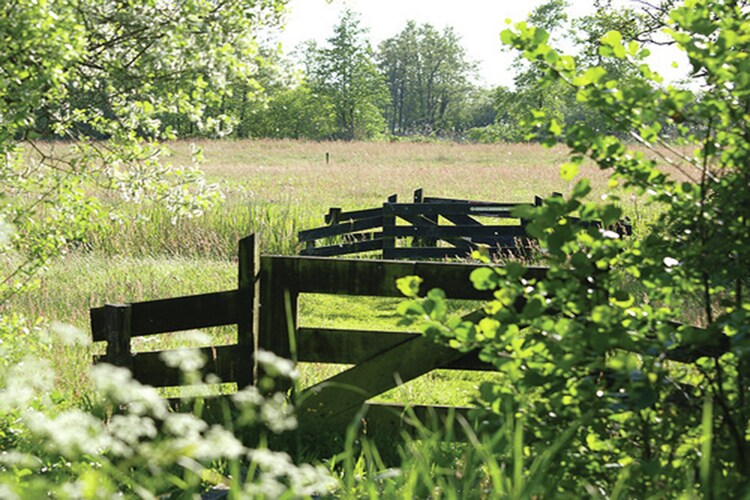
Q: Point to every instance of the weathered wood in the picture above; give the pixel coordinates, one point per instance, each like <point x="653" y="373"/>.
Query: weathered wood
<point x="444" y="209"/>
<point x="117" y="331"/>
<point x="462" y="220"/>
<point x="389" y="238"/>
<point x="387" y="422"/>
<point x="346" y="248"/>
<point x="248" y="285"/>
<point x="332" y="217"/>
<point x="278" y="305"/>
<point x="378" y="277"/>
<point x="173" y="315"/>
<point x="473" y="232"/>
<point x="421" y="240"/>
<point x="228" y="362"/>
<point x="343" y="394"/>
<point x="326" y="345"/>
<point x="343" y="227"/>
<point x="335" y="215"/>
<point x="458" y="251"/>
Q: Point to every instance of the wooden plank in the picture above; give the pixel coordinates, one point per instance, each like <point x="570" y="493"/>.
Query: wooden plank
<point x="454" y="252"/>
<point x="443" y="209"/>
<point x="278" y="306"/>
<point x="387" y="422"/>
<point x="506" y="233"/>
<point x="226" y="361"/>
<point x="343" y="227"/>
<point x="335" y="215"/>
<point x="176" y="314"/>
<point x="378" y="277"/>
<point x="422" y="241"/>
<point x="325" y="345"/>
<point x="343" y="394"/>
<point x="345" y="248"/>
<point x="248" y="283"/>
<point x="462" y="220"/>
<point x="332" y="217"/>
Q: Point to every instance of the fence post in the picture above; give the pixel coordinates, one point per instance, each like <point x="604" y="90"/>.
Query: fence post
<point x="117" y="327"/>
<point x="247" y="326"/>
<point x="433" y="220"/>
<point x="389" y="231"/>
<point x="277" y="330"/>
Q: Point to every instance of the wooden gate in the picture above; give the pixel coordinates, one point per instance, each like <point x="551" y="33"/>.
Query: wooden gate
<point x="264" y="308"/>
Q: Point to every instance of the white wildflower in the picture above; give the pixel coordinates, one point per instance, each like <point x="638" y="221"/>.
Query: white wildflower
<point x="276" y="366"/>
<point x="24" y="383"/>
<point x="219" y="443"/>
<point x="70" y="335"/>
<point x="131" y="428"/>
<point x="278" y="414"/>
<point x="187" y="360"/>
<point x="117" y="385"/>
<point x="671" y="262"/>
<point x="71" y="433"/>
<point x="184" y="425"/>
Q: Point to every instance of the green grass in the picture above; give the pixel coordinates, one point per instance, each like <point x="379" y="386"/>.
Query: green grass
<point x="275" y="189"/>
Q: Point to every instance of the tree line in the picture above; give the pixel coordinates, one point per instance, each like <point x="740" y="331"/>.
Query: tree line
<point x="419" y="82"/>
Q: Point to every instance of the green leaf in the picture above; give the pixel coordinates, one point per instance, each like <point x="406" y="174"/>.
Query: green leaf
<point x="610" y="214"/>
<point x="568" y="171"/>
<point x="484" y="278"/>
<point x="409" y="285"/>
<point x="581" y="189"/>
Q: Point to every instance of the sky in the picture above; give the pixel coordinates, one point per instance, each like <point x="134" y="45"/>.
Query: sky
<point x="478" y="22"/>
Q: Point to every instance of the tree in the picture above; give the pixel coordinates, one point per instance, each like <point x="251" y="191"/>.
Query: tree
<point x="532" y="93"/>
<point x="101" y="74"/>
<point x="345" y="73"/>
<point x="428" y="76"/>
<point x="295" y="113"/>
<point x="633" y="353"/>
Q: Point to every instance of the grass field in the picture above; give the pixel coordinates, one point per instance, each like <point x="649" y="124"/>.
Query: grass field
<point x="274" y="189"/>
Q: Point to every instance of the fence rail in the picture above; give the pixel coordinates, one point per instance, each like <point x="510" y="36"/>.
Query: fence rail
<point x="428" y="228"/>
<point x="264" y="308"/>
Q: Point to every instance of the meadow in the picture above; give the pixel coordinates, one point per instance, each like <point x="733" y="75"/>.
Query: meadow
<point x="274" y="189"/>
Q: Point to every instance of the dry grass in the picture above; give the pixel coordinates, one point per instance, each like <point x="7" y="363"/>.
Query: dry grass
<point x="363" y="174"/>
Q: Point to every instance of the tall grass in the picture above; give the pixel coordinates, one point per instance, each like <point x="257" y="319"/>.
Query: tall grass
<point x="274" y="189"/>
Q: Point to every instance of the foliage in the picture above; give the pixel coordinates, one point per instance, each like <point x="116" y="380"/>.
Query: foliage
<point x="296" y="113"/>
<point x="101" y="74"/>
<point x="643" y="344"/>
<point x="128" y="441"/>
<point x="515" y="108"/>
<point x="428" y="78"/>
<point x="344" y="72"/>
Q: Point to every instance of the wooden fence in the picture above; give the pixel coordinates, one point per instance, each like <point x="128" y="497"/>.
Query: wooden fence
<point x="264" y="309"/>
<point x="428" y="228"/>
